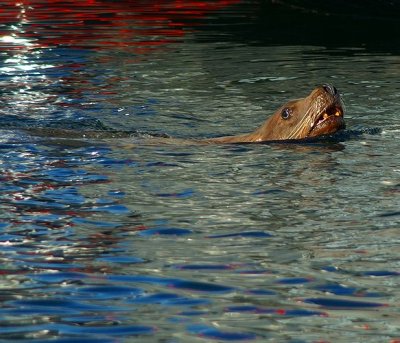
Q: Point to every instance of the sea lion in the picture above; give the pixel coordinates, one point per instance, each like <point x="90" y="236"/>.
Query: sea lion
<point x="320" y="113"/>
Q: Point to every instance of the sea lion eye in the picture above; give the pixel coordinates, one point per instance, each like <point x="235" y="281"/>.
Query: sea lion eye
<point x="286" y="113"/>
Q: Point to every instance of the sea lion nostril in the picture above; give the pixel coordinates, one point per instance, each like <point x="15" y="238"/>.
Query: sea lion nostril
<point x="330" y="89"/>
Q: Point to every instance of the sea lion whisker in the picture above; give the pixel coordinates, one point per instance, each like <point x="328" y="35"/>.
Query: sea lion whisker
<point x="300" y="125"/>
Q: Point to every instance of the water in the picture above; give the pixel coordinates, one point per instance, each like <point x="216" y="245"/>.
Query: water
<point x="115" y="241"/>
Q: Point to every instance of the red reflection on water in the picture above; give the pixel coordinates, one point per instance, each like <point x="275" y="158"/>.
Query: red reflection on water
<point x="101" y="23"/>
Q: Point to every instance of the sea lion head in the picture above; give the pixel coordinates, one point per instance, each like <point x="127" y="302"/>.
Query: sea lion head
<point x="320" y="113"/>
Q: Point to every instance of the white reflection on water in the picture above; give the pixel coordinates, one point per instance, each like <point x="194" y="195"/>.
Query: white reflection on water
<point x="14" y="39"/>
<point x="24" y="69"/>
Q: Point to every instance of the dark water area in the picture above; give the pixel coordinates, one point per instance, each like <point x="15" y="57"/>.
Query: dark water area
<point x="106" y="239"/>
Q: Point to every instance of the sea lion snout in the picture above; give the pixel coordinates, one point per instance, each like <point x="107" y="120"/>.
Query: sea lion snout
<point x="330" y="89"/>
<point x="328" y="111"/>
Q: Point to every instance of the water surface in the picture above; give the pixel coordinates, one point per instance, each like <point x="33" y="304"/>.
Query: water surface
<point x="114" y="241"/>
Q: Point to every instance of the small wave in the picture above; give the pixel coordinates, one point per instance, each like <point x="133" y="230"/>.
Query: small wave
<point x="340" y="136"/>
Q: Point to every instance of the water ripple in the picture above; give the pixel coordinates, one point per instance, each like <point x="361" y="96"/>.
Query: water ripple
<point x="209" y="332"/>
<point x="333" y="303"/>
